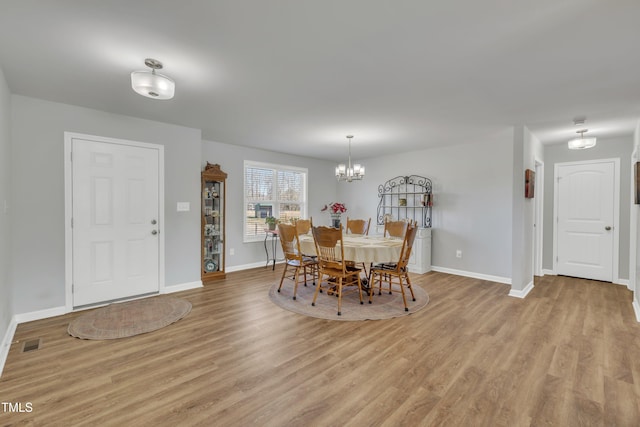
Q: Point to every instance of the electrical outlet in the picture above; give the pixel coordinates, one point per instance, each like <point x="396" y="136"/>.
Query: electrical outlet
<point x="458" y="253"/>
<point x="232" y="251"/>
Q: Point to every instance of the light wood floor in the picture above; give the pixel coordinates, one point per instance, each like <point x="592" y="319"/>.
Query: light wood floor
<point x="568" y="354"/>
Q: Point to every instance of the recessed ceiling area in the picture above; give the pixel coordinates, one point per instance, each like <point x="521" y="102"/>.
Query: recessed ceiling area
<point x="297" y="76"/>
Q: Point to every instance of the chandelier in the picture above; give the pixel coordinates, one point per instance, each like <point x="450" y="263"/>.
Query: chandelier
<point x="347" y="172"/>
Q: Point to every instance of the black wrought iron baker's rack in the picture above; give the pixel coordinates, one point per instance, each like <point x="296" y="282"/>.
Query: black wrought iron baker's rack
<point x="406" y="197"/>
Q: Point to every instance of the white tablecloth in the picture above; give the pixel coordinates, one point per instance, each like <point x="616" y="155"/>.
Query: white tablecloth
<point x="367" y="249"/>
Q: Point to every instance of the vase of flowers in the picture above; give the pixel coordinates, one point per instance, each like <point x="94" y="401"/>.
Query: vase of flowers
<point x="336" y="210"/>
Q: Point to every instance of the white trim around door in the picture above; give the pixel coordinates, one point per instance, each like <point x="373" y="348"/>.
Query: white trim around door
<point x="538" y="219"/>
<point x="69" y="137"/>
<point x="616" y="212"/>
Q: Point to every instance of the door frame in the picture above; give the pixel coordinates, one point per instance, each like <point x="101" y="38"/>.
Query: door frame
<point x="616" y="212"/>
<point x="68" y="210"/>
<point x="538" y="231"/>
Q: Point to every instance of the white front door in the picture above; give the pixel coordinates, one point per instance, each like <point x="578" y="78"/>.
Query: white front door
<point x="115" y="227"/>
<point x="585" y="219"/>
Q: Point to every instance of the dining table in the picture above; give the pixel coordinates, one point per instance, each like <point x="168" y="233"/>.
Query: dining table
<point x="361" y="249"/>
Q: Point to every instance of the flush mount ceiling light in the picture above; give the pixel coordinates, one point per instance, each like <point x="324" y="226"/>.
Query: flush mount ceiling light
<point x="348" y="173"/>
<point x="582" y="142"/>
<point x="152" y="84"/>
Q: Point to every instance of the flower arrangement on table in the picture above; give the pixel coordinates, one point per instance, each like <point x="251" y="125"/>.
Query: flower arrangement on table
<point x="335" y="209"/>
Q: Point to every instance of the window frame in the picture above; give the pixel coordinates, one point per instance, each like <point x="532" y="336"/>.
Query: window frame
<point x="275" y="168"/>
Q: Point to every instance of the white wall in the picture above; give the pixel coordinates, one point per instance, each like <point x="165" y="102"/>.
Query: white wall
<point x="321" y="189"/>
<point x="527" y="149"/>
<point x="6" y="310"/>
<point x="37" y="222"/>
<point x="607" y="148"/>
<point x="634" y="263"/>
<point x="472" y="200"/>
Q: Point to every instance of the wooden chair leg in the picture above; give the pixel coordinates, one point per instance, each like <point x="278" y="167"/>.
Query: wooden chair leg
<point x="284" y="272"/>
<point x="404" y="297"/>
<point x="318" y="288"/>
<point x="372" y="277"/>
<point x="339" y="296"/>
<point x="295" y="280"/>
<point x="413" y="296"/>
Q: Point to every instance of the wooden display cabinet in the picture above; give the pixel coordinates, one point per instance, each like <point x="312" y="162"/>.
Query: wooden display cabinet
<point x="213" y="223"/>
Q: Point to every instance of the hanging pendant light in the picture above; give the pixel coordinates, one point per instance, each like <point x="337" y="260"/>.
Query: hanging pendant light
<point x="347" y="172"/>
<point x="582" y="143"/>
<point x="152" y="84"/>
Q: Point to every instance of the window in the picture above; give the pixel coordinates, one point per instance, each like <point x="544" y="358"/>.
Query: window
<point x="272" y="190"/>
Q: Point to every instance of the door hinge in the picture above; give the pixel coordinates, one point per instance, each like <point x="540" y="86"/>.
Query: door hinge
<point x="71" y="155"/>
<point x="71" y="222"/>
<point x="556" y="259"/>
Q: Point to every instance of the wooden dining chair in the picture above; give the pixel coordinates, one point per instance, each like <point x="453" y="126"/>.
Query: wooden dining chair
<point x="331" y="263"/>
<point x="397" y="277"/>
<point x="303" y="226"/>
<point x="395" y="229"/>
<point x="295" y="261"/>
<point x="358" y="226"/>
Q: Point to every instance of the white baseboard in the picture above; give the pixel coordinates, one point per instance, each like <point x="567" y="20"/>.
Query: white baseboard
<point x="523" y="293"/>
<point x="250" y="266"/>
<point x="6" y="343"/>
<point x="182" y="287"/>
<point x="636" y="309"/>
<point x="499" y="279"/>
<point x="41" y="314"/>
<point x="548" y="272"/>
<point x="623" y="282"/>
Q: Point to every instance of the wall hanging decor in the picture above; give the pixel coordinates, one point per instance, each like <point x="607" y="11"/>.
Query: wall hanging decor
<point x="636" y="189"/>
<point x="529" y="183"/>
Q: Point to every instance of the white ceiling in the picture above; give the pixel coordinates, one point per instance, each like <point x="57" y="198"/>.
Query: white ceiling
<point x="297" y="76"/>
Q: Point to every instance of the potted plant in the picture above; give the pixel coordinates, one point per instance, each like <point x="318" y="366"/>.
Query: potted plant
<point x="271" y="221"/>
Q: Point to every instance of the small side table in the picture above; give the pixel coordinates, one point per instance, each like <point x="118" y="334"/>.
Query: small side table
<point x="274" y="245"/>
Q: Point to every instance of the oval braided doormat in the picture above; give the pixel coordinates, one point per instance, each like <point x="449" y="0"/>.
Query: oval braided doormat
<point x="129" y="318"/>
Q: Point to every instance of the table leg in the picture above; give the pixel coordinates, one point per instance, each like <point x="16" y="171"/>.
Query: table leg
<point x="274" y="241"/>
<point x="274" y="247"/>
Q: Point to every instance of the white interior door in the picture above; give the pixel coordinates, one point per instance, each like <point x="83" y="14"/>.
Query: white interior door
<point x="585" y="220"/>
<point x="115" y="227"/>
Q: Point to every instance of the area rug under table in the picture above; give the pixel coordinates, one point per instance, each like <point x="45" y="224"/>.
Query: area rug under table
<point x="384" y="306"/>
<point x="130" y="318"/>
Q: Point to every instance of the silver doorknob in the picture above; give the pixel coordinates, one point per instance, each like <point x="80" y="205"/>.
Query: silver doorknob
<point x="154" y="232"/>
<point x="607" y="228"/>
<point x="154" y="222"/>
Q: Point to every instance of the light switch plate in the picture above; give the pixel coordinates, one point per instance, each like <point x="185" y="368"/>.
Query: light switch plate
<point x="184" y="206"/>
